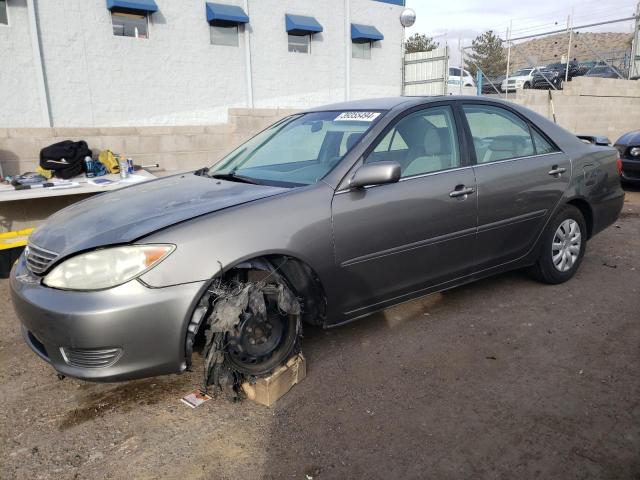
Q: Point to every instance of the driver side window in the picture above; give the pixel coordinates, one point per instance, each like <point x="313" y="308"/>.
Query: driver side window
<point x="423" y="142"/>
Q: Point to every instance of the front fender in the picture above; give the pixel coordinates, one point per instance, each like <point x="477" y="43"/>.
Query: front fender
<point x="296" y="224"/>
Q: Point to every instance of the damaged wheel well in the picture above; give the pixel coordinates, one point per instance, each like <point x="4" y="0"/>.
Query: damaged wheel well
<point x="301" y="279"/>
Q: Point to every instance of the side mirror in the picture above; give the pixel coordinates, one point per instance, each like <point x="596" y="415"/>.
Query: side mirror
<point x="377" y="173"/>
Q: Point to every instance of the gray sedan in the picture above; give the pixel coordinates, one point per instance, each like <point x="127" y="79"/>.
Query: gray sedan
<point x="325" y="217"/>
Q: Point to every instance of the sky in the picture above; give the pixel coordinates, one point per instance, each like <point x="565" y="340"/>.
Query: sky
<point x="450" y="20"/>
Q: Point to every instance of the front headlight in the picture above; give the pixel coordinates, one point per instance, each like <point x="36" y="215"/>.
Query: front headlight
<point x="635" y="152"/>
<point x="106" y="268"/>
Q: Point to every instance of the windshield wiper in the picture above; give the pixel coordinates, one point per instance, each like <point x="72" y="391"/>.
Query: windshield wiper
<point x="233" y="177"/>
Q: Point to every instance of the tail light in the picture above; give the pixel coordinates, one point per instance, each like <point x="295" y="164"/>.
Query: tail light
<point x="619" y="164"/>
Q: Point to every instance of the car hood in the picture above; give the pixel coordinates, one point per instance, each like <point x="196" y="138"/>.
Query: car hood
<point x="132" y="212"/>
<point x="630" y="139"/>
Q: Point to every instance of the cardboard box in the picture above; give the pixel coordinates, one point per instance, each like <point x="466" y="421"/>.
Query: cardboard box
<point x="267" y="391"/>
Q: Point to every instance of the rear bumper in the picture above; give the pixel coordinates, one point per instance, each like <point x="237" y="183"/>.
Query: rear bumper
<point x="126" y="332"/>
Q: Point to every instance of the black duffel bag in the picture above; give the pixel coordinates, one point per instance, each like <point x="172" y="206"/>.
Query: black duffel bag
<point x="65" y="159"/>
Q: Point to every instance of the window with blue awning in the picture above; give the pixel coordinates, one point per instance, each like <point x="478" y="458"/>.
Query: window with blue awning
<point x="365" y="33"/>
<point x="301" y="25"/>
<point x="225" y="15"/>
<point x="143" y="6"/>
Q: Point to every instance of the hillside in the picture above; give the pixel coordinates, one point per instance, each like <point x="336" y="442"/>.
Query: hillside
<point x="585" y="46"/>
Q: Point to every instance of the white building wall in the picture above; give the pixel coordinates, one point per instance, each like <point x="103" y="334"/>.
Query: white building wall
<point x="174" y="77"/>
<point x="177" y="77"/>
<point x="283" y="78"/>
<point x="382" y="75"/>
<point x="20" y="100"/>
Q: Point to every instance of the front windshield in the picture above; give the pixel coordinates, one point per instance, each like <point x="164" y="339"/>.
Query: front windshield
<point x="522" y="73"/>
<point x="299" y="150"/>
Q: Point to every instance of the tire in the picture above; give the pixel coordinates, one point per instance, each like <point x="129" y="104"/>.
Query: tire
<point x="560" y="84"/>
<point x="549" y="268"/>
<point x="526" y="86"/>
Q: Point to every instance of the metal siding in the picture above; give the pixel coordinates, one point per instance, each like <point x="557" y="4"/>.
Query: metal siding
<point x="426" y="73"/>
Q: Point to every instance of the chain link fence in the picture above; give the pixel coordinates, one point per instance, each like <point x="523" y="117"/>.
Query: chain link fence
<point x="547" y="61"/>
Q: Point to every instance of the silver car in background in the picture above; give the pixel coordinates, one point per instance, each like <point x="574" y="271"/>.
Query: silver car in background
<point x="351" y="207"/>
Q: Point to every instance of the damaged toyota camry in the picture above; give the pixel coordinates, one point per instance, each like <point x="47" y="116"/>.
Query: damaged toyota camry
<point x="327" y="216"/>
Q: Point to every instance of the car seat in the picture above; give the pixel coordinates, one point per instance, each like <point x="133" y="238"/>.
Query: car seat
<point x="437" y="154"/>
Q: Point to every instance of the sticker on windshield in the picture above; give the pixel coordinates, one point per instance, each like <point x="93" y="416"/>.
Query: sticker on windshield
<point x="357" y="117"/>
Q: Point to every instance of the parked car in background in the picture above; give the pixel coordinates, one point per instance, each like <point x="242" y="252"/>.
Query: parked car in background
<point x="605" y="71"/>
<point x="519" y="80"/>
<point x="629" y="147"/>
<point x="459" y="76"/>
<point x="561" y="68"/>
<point x="588" y="65"/>
<point x="491" y="86"/>
<point x="546" y="79"/>
<point x="325" y="217"/>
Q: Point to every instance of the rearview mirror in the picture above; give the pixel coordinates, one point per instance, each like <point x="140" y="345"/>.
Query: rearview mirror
<point x="377" y="173"/>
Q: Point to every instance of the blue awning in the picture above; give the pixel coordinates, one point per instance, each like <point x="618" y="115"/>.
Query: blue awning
<point x="301" y="25"/>
<point x="221" y="14"/>
<point x="148" y="6"/>
<point x="365" y="33"/>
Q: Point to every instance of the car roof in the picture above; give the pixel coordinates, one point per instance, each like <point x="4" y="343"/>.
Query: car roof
<point x="386" y="103"/>
<point x="390" y="103"/>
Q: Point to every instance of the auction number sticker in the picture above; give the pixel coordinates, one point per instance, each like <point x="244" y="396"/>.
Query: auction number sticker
<point x="357" y="117"/>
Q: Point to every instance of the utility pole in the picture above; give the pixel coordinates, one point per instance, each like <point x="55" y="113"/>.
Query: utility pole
<point x="635" y="49"/>
<point x="506" y="90"/>
<point x="570" y="29"/>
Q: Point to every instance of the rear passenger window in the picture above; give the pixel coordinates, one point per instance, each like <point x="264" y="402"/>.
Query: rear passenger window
<point x="422" y="142"/>
<point x="498" y="134"/>
<point x="542" y="145"/>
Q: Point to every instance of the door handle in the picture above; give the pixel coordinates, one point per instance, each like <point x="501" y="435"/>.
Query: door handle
<point x="461" y="191"/>
<point x="557" y="172"/>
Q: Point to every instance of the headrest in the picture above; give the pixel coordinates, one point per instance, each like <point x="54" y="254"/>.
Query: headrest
<point x="502" y="145"/>
<point x="432" y="142"/>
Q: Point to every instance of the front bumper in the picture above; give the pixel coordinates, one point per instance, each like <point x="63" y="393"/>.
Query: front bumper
<point x="630" y="171"/>
<point x="146" y="327"/>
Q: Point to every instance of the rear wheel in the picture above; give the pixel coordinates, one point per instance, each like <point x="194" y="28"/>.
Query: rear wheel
<point x="562" y="247"/>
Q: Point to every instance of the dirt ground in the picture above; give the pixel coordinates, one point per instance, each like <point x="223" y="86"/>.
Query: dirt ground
<point x="502" y="379"/>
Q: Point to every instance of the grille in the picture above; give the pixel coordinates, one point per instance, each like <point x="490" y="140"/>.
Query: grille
<point x="90" y="358"/>
<point x="39" y="259"/>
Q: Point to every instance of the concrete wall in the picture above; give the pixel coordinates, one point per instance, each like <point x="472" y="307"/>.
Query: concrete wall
<point x="382" y="75"/>
<point x="175" y="148"/>
<point x="20" y="102"/>
<point x="598" y="106"/>
<point x="176" y="77"/>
